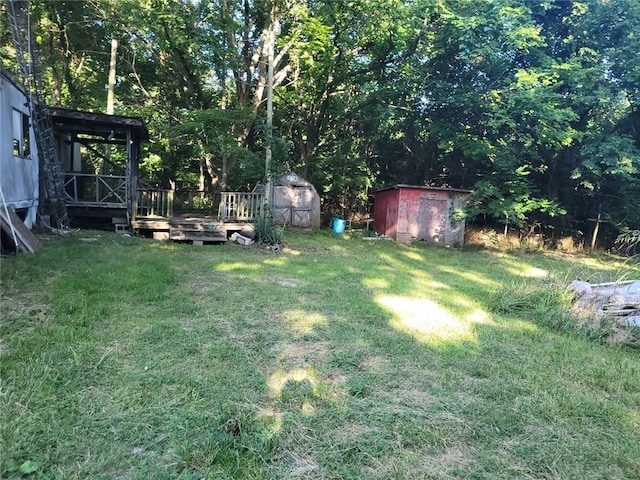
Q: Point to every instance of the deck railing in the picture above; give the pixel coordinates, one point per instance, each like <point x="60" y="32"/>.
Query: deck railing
<point x="87" y="190"/>
<point x="241" y="206"/>
<point x="95" y="190"/>
<point x="154" y="202"/>
<point x="196" y="201"/>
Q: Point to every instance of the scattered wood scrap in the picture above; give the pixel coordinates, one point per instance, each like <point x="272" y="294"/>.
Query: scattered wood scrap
<point x="620" y="300"/>
<point x="15" y="228"/>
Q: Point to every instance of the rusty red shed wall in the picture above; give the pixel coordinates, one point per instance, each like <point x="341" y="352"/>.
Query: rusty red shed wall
<point x="406" y="212"/>
<point x="385" y="213"/>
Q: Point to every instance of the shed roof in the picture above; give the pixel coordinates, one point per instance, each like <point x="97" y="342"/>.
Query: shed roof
<point x="97" y="123"/>
<point x="424" y="187"/>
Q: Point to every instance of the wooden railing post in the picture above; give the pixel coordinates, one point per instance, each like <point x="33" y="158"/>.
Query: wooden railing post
<point x="240" y="206"/>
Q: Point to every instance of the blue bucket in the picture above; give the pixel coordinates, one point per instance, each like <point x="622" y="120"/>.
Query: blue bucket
<point x="338" y="225"/>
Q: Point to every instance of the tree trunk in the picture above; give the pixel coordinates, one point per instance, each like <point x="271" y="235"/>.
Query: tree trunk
<point x="596" y="227"/>
<point x="112" y="78"/>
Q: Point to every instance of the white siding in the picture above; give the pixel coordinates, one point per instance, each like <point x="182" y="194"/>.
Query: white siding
<point x="18" y="175"/>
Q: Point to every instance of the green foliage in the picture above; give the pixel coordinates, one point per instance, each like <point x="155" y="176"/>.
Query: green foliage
<point x="534" y="104"/>
<point x="549" y="303"/>
<point x="267" y="232"/>
<point x="628" y="243"/>
<point x="511" y="203"/>
<point x="542" y="301"/>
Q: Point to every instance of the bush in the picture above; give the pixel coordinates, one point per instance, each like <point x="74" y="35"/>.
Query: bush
<point x="267" y="232"/>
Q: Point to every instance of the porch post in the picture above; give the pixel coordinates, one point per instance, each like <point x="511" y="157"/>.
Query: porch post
<point x="132" y="176"/>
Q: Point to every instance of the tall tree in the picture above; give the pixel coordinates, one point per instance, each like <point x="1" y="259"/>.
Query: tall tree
<point x="533" y="104"/>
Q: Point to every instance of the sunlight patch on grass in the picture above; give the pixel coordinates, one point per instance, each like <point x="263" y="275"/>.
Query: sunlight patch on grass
<point x="304" y="322"/>
<point x="536" y="273"/>
<point x="275" y="262"/>
<point x="424" y="279"/>
<point x="237" y="267"/>
<point x="480" y="316"/>
<point x="376" y="283"/>
<point x="413" y="256"/>
<point x="597" y="263"/>
<point x="426" y="321"/>
<point x="307" y="407"/>
<point x="339" y="249"/>
<point x="279" y="379"/>
<point x="633" y="418"/>
<point x="274" y="418"/>
<point x="518" y="325"/>
<point x="471" y="276"/>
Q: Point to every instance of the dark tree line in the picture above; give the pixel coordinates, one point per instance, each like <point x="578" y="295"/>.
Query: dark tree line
<point x="533" y="104"/>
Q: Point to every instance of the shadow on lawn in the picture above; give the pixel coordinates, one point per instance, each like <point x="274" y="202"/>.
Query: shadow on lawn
<point x="333" y="359"/>
<point x="394" y="353"/>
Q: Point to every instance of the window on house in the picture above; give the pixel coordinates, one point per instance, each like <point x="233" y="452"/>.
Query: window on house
<point x="21" y="146"/>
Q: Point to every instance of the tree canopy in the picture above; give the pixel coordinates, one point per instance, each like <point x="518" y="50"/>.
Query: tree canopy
<point x="533" y="104"/>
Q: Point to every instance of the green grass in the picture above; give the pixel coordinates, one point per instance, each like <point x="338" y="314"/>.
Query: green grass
<point x="123" y="358"/>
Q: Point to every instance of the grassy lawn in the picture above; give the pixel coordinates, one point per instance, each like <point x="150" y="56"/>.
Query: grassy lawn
<point x="123" y="358"/>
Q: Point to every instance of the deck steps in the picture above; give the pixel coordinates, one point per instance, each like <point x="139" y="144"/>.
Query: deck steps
<point x="194" y="228"/>
<point x="214" y="237"/>
<point x="197" y="230"/>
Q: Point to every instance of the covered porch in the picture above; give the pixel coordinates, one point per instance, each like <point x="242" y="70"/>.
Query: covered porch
<point x="100" y="155"/>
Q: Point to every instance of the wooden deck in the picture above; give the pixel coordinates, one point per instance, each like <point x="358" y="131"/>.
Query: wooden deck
<point x="189" y="228"/>
<point x="151" y="209"/>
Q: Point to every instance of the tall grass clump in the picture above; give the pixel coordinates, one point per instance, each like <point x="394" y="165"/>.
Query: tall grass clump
<point x="267" y="232"/>
<point x="544" y="302"/>
<point x="549" y="303"/>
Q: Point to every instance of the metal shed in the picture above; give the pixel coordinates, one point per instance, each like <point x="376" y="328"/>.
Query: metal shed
<point x="413" y="212"/>
<point x="296" y="202"/>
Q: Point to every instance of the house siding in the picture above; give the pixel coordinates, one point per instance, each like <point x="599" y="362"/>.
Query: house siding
<point x="18" y="175"/>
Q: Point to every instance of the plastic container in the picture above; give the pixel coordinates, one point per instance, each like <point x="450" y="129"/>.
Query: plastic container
<point x="338" y="225"/>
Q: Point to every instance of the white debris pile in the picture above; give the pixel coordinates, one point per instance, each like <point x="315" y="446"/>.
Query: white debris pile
<point x="618" y="300"/>
<point x="241" y="239"/>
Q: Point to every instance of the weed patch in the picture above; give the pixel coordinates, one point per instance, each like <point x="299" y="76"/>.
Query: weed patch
<point x="549" y="303"/>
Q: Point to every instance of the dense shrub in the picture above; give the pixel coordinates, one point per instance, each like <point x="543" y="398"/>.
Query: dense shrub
<point x="267" y="232"/>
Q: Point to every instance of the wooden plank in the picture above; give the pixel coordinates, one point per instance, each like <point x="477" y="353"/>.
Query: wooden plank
<point x="202" y="236"/>
<point x="195" y="228"/>
<point x="608" y="284"/>
<point x="28" y="241"/>
<point x="150" y="224"/>
<point x="6" y="227"/>
<point x="621" y="309"/>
